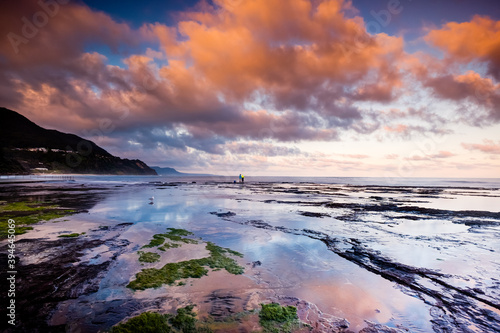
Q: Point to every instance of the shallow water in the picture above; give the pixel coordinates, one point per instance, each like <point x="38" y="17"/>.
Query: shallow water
<point x="293" y="263"/>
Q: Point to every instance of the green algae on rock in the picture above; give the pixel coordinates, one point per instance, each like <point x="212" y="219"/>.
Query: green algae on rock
<point x="151" y="322"/>
<point x="168" y="245"/>
<point x="277" y="318"/>
<point x="194" y="268"/>
<point x="72" y="235"/>
<point x="148" y="256"/>
<point x="26" y="213"/>
<point x="175" y="235"/>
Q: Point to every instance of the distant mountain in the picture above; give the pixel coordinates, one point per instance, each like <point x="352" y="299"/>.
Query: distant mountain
<point x="26" y="148"/>
<point x="166" y="171"/>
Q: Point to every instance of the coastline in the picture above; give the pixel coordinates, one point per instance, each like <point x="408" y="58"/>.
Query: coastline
<point x="319" y="233"/>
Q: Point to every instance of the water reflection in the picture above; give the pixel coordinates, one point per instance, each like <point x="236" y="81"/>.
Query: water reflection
<point x="292" y="265"/>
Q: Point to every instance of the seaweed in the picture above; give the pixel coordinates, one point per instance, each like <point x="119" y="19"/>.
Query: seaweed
<point x="167" y="246"/>
<point x="26" y="213"/>
<point x="157" y="240"/>
<point x="219" y="260"/>
<point x="194" y="268"/>
<point x="179" y="232"/>
<point x="147" y="322"/>
<point x="175" y="235"/>
<point x="72" y="235"/>
<point x="148" y="256"/>
<point x="184" y="321"/>
<point x="277" y="318"/>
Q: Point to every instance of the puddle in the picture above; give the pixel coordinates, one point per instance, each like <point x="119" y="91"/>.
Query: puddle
<point x="428" y="227"/>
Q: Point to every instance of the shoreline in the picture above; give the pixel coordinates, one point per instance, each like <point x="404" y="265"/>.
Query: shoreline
<point x="107" y="249"/>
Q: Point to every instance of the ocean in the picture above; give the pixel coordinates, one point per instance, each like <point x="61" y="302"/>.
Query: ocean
<point x="491" y="183"/>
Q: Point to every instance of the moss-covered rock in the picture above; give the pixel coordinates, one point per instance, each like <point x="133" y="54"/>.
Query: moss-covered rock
<point x="173" y="234"/>
<point x="148" y="256"/>
<point x="276" y="318"/>
<point x="25" y="213"/>
<point x="194" y="268"/>
<point x="150" y="322"/>
<point x="147" y="322"/>
<point x="72" y="235"/>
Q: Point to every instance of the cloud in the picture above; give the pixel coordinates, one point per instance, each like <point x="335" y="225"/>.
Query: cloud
<point x="472" y="43"/>
<point x="469" y="86"/>
<point x="400" y="128"/>
<point x="51" y="35"/>
<point x="478" y="39"/>
<point x="357" y="156"/>
<point x="260" y="148"/>
<point x="241" y="78"/>
<point x="420" y="156"/>
<point x="488" y="147"/>
<point x="300" y="57"/>
<point x="443" y="154"/>
<point x="408" y="131"/>
<point x="297" y="64"/>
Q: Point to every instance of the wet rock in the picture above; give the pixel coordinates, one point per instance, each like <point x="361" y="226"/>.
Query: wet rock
<point x="60" y="276"/>
<point x="379" y="328"/>
<point x="223" y="215"/>
<point x="223" y="304"/>
<point x="310" y="314"/>
<point x="313" y="214"/>
<point x="126" y="224"/>
<point x="259" y="224"/>
<point x="343" y="323"/>
<point x="477" y="290"/>
<point x="314" y="232"/>
<point x="410" y="217"/>
<point x="256" y="263"/>
<point x="102" y="315"/>
<point x="393" y="207"/>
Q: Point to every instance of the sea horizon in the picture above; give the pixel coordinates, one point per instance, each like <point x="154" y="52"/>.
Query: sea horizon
<point x="186" y="177"/>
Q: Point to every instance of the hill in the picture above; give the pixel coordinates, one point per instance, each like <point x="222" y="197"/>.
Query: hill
<point x="26" y="148"/>
<point x="166" y="171"/>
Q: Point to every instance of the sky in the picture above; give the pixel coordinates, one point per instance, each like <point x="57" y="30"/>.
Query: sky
<point x="396" y="88"/>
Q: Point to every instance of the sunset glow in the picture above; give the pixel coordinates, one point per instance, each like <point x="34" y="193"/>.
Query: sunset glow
<point x="265" y="87"/>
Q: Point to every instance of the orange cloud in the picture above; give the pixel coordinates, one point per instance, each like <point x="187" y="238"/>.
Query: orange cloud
<point x="289" y="70"/>
<point x="400" y="128"/>
<point x="426" y="157"/>
<point x="443" y="154"/>
<point x="308" y="61"/>
<point x="39" y="35"/>
<point x="299" y="54"/>
<point x="478" y="39"/>
<point x="467" y="43"/>
<point x="479" y="90"/>
<point x="488" y="147"/>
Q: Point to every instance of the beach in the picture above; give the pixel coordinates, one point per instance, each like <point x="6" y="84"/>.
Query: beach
<point x="351" y="255"/>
